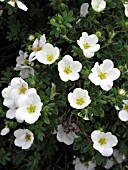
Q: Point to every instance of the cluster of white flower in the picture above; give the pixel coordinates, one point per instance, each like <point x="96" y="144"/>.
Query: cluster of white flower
<point x="19" y="4"/>
<point x="24" y="65"/>
<point x="24" y="104"/>
<point x="98" y="6"/>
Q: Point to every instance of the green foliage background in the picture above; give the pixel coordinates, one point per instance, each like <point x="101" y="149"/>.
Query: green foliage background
<point x="58" y="20"/>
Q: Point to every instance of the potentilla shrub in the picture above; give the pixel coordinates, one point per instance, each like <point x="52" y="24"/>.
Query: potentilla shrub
<point x="69" y="90"/>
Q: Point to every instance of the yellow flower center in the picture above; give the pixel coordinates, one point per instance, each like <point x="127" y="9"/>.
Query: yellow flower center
<point x="67" y="70"/>
<point x="102" y="141"/>
<point x="50" y="57"/>
<point x="126" y="107"/>
<point x="38" y="48"/>
<point x="26" y="62"/>
<point x="22" y="90"/>
<point x="27" y="137"/>
<point x="31" y="108"/>
<point x="79" y="101"/>
<point x="86" y="46"/>
<point x="102" y="75"/>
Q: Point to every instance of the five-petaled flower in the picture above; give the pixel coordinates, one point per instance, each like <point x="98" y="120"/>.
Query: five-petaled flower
<point x="79" y="99"/>
<point x="68" y="69"/>
<point x="98" y="5"/>
<point x="88" y="43"/>
<point x="24" y="138"/>
<point x="48" y="55"/>
<point x="103" y="75"/>
<point x="29" y="108"/>
<point x="103" y="142"/>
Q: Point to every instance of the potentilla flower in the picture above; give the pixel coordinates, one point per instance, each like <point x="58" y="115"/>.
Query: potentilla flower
<point x="103" y="142"/>
<point x="19" y="4"/>
<point x="79" y="99"/>
<point x="67" y="138"/>
<point x="5" y="131"/>
<point x="18" y="87"/>
<point x="29" y="108"/>
<point x="126" y="8"/>
<point x="123" y="114"/>
<point x="103" y="75"/>
<point x="48" y="55"/>
<point x="84" y="9"/>
<point x="109" y="163"/>
<point x="98" y="5"/>
<point x="83" y="166"/>
<point x="37" y="46"/>
<point x="88" y="43"/>
<point x="24" y="138"/>
<point x="118" y="156"/>
<point x="68" y="69"/>
<point x="9" y="102"/>
<point x="25" y="71"/>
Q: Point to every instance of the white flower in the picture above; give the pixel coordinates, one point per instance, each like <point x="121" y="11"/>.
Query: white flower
<point x="9" y="102"/>
<point x="84" y="9"/>
<point x="25" y="71"/>
<point x="37" y="46"/>
<point x="29" y="108"/>
<point x="118" y="156"/>
<point x="5" y="131"/>
<point x="84" y="166"/>
<point x="103" y="75"/>
<point x="98" y="5"/>
<point x="109" y="164"/>
<point x="126" y="8"/>
<point x="19" y="4"/>
<point x="67" y="138"/>
<point x="68" y="69"/>
<point x="88" y="43"/>
<point x="103" y="142"/>
<point x="79" y="99"/>
<point x="18" y="87"/>
<point x="123" y="114"/>
<point x="24" y="138"/>
<point x="48" y="55"/>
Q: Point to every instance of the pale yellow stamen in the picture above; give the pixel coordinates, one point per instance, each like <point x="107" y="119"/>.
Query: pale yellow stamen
<point x="31" y="108"/>
<point x="86" y="46"/>
<point x="38" y="48"/>
<point x="67" y="70"/>
<point x="126" y="107"/>
<point x="26" y="62"/>
<point x="79" y="101"/>
<point x="102" y="141"/>
<point x="27" y="137"/>
<point x="22" y="90"/>
<point x="50" y="57"/>
<point x="102" y="75"/>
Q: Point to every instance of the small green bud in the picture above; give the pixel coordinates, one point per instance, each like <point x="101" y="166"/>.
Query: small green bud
<point x="121" y="92"/>
<point x="31" y="37"/>
<point x="52" y="21"/>
<point x="98" y="34"/>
